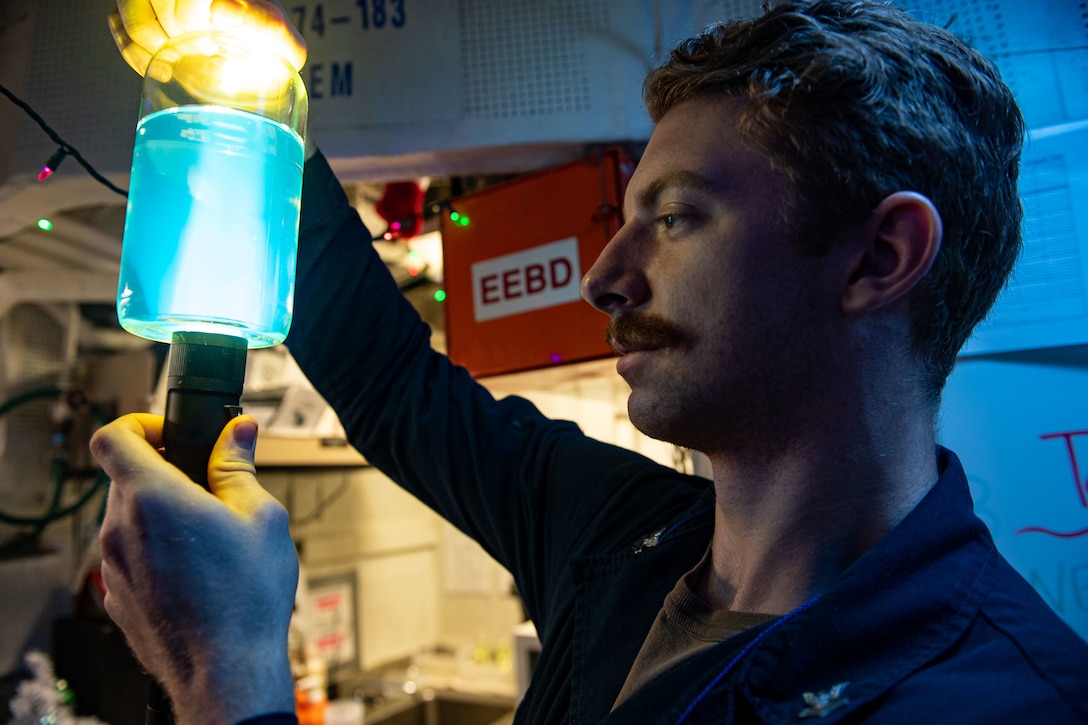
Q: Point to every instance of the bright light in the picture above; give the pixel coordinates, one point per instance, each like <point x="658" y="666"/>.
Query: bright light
<point x="224" y="69"/>
<point x="45" y="225"/>
<point x="245" y="74"/>
<point x="440" y="295"/>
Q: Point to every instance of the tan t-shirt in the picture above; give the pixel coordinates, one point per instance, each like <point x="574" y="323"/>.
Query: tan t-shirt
<point x="685" y="626"/>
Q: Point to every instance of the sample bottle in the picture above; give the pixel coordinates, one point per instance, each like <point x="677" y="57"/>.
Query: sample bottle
<point x="211" y="230"/>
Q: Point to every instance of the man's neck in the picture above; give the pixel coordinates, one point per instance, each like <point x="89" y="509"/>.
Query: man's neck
<point x="788" y="525"/>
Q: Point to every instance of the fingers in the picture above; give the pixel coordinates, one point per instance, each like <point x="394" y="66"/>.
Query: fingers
<point x="232" y="479"/>
<point x="118" y="601"/>
<point x="129" y="446"/>
<point x="141" y="27"/>
<point x="265" y="22"/>
<point x="136" y="55"/>
<point x="183" y="16"/>
<point x="128" y="451"/>
<point x="232" y="476"/>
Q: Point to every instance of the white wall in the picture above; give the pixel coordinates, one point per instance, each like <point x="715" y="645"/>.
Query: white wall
<point x="1019" y="423"/>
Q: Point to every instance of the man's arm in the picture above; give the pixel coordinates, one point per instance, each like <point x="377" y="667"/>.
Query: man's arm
<point x="523" y="486"/>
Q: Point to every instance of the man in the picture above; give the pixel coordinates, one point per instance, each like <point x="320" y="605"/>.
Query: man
<point x="825" y="209"/>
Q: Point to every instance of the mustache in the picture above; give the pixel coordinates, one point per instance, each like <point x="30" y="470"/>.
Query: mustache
<point x="643" y="330"/>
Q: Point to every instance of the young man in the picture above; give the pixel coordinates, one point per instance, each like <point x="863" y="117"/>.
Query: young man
<point x="825" y="209"/>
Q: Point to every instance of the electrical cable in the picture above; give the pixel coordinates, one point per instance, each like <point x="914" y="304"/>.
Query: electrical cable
<point x="323" y="505"/>
<point x="28" y="395"/>
<point x="54" y="512"/>
<point x="100" y="480"/>
<point x="64" y="147"/>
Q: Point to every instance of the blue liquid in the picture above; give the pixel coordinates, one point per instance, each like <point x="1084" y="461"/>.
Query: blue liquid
<point x="211" y="232"/>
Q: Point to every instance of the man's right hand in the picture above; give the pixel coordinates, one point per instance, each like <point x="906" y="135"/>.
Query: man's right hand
<point x="141" y="27"/>
<point x="202" y="584"/>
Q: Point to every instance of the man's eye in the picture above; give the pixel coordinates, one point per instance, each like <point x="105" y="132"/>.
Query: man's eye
<point x="671" y="221"/>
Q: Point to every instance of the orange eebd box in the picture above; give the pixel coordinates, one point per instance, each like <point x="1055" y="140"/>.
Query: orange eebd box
<point x="512" y="274"/>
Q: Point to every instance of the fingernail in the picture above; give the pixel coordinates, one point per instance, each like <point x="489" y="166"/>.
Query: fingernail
<point x="245" y="435"/>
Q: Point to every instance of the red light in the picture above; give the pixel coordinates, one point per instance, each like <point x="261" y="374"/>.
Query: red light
<point x="52" y="164"/>
<point x="401" y="205"/>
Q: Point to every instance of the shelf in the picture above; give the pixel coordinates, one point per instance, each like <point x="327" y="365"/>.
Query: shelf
<point x="290" y="451"/>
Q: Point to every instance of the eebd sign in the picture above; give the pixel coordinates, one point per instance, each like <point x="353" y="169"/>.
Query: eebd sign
<point x="512" y="273"/>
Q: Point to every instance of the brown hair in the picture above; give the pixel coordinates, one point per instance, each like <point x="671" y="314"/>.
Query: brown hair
<point x="854" y="100"/>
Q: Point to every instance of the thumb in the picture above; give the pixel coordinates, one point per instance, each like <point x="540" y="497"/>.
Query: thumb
<point x="232" y="475"/>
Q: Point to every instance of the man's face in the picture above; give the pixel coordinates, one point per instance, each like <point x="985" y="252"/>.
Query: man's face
<point x="721" y="323"/>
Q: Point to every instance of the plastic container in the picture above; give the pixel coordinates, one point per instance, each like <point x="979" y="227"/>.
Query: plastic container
<point x="211" y="230"/>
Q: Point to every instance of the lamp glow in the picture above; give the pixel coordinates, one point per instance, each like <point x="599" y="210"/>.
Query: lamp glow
<point x="45" y="225"/>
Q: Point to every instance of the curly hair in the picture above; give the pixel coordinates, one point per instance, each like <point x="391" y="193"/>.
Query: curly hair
<point x="853" y="100"/>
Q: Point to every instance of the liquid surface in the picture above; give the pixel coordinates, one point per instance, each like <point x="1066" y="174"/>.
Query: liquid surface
<point x="211" y="231"/>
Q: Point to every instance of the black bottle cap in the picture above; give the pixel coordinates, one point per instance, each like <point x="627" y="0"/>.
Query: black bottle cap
<point x="207" y="361"/>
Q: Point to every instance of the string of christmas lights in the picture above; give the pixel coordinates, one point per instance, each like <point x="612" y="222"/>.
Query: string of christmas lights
<point x="64" y="149"/>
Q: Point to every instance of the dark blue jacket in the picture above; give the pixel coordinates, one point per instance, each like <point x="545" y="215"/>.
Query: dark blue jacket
<point x="931" y="625"/>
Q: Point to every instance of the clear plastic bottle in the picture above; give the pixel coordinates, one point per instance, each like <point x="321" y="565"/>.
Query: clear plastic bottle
<point x="211" y="230"/>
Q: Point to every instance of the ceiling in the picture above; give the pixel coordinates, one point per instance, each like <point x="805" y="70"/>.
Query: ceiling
<point x="74" y="261"/>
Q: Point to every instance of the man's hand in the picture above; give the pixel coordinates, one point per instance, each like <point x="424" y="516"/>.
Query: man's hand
<point x="141" y="27"/>
<point x="202" y="584"/>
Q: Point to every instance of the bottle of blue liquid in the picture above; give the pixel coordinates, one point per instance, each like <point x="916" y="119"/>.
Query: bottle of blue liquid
<point x="211" y="230"/>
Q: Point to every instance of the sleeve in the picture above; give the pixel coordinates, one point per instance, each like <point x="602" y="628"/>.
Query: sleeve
<point x="523" y="486"/>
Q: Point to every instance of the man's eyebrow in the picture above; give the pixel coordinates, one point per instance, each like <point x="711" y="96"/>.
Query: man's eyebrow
<point x="674" y="179"/>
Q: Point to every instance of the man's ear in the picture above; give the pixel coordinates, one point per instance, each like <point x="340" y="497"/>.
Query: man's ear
<point x="899" y="243"/>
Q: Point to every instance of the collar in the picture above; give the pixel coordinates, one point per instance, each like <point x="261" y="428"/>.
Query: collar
<point x="906" y="600"/>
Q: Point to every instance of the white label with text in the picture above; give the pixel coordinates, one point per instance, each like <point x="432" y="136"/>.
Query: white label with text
<point x="533" y="279"/>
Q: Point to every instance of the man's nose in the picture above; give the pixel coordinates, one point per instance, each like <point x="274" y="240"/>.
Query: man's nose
<point x="617" y="280"/>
